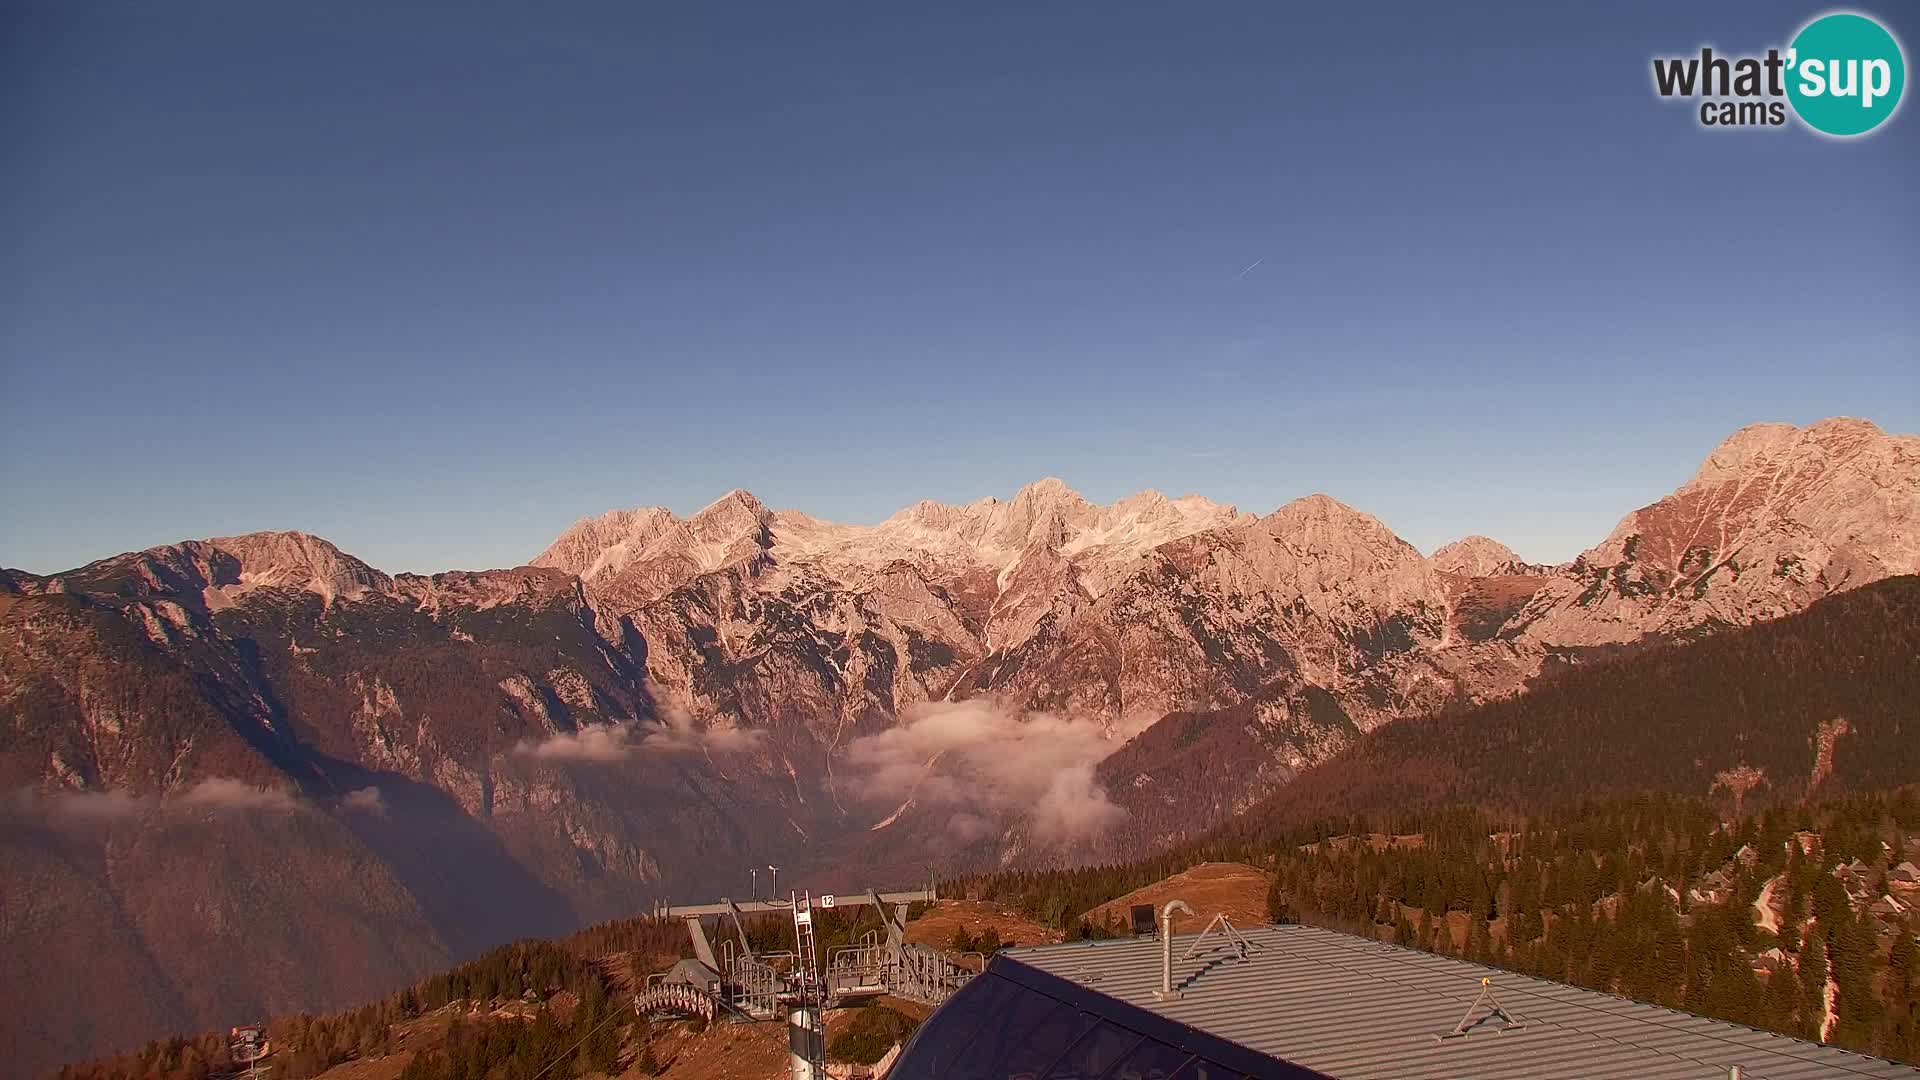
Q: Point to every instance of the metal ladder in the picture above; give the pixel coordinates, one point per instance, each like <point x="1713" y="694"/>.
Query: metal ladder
<point x="811" y="999"/>
<point x="803" y="937"/>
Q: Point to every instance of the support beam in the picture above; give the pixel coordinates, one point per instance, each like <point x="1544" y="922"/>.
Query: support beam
<point x="760" y="907"/>
<point x="702" y="948"/>
<point x="896" y="920"/>
<point x="740" y="931"/>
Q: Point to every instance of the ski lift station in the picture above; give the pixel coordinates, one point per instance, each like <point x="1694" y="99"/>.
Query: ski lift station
<point x="736" y="983"/>
<point x="1227" y="1003"/>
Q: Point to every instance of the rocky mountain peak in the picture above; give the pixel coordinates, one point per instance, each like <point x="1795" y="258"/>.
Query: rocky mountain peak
<point x="601" y="546"/>
<point x="1824" y="443"/>
<point x="1151" y="505"/>
<point x="1047" y="489"/>
<point x="1320" y="506"/>
<point x="1046" y="510"/>
<point x="1840" y="477"/>
<point x="218" y="571"/>
<point x="1145" y="502"/>
<point x="637" y="555"/>
<point x="1777" y="517"/>
<point x="1321" y="524"/>
<point x="933" y="515"/>
<point x="1742" y="449"/>
<point x="301" y="561"/>
<point x="525" y="586"/>
<point x="1145" y="520"/>
<point x="1478" y="556"/>
<point x="733" y="515"/>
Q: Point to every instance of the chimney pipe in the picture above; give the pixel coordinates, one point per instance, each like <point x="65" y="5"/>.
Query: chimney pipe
<point x="1166" y="947"/>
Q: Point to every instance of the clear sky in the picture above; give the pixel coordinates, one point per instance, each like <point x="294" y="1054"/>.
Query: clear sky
<point x="434" y="280"/>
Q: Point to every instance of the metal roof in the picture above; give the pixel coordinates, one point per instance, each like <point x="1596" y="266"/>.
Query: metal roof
<point x="1354" y="1009"/>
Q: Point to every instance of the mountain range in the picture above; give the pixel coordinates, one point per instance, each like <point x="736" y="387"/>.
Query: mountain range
<point x="254" y="774"/>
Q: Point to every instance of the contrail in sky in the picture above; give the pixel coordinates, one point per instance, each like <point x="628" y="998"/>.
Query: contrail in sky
<point x="1251" y="265"/>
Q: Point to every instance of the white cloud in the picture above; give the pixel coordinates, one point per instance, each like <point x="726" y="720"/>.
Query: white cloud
<point x="91" y="807"/>
<point x="222" y="793"/>
<point x="675" y="733"/>
<point x="599" y="743"/>
<point x="97" y="806"/>
<point x="366" y="799"/>
<point x="979" y="762"/>
<point x="1075" y="805"/>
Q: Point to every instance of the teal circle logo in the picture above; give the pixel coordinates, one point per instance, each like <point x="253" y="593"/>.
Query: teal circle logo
<point x="1845" y="74"/>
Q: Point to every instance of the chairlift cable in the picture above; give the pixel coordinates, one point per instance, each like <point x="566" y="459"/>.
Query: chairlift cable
<point x="568" y="1052"/>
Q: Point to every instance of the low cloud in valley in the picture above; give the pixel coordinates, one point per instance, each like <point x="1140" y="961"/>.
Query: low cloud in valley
<point x="979" y="762"/>
<point x="218" y="794"/>
<point x="367" y="800"/>
<point x="675" y="733"/>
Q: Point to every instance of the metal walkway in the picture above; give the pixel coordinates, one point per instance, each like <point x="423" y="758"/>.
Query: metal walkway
<point x="738" y="983"/>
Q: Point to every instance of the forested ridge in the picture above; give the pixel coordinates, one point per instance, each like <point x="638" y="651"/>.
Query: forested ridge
<point x="1741" y="715"/>
<point x="1651" y="897"/>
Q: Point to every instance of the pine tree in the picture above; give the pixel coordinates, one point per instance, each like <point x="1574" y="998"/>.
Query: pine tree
<point x="1598" y="969"/>
<point x="1782" y="999"/>
<point x="1851" y="955"/>
<point x="1902" y="1035"/>
<point x="1813" y="982"/>
<point x="1478" y="937"/>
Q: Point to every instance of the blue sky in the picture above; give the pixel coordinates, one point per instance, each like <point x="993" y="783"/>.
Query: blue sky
<point x="435" y="280"/>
